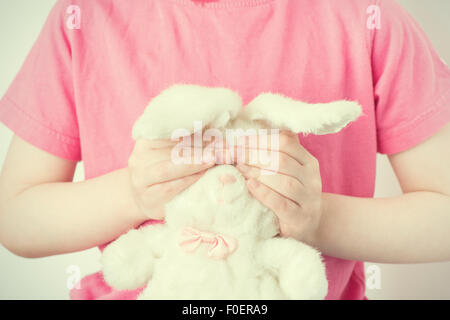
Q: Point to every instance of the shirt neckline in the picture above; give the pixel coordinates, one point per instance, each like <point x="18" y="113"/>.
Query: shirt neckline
<point x="222" y="3"/>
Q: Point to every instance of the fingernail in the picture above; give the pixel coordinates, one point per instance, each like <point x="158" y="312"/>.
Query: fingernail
<point x="252" y="183"/>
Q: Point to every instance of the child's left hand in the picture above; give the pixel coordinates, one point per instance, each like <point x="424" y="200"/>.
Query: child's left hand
<point x="293" y="192"/>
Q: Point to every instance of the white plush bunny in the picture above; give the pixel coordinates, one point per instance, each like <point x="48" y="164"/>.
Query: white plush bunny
<point x="218" y="242"/>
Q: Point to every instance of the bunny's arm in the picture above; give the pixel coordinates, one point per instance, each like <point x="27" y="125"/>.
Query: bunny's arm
<point x="128" y="262"/>
<point x="299" y="267"/>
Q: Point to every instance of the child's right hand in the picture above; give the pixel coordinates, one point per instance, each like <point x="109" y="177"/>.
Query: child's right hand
<point x="156" y="179"/>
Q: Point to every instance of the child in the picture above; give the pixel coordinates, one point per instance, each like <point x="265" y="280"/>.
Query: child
<point x="96" y="65"/>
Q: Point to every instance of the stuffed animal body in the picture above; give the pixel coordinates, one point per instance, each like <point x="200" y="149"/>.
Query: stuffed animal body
<point x="218" y="242"/>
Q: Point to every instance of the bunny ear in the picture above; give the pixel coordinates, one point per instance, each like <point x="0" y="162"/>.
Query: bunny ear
<point x="181" y="105"/>
<point x="277" y="111"/>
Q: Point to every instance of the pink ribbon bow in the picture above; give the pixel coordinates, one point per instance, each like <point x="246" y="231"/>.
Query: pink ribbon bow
<point x="221" y="246"/>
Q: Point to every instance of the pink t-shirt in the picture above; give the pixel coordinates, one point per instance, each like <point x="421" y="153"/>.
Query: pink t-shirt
<point x="96" y="65"/>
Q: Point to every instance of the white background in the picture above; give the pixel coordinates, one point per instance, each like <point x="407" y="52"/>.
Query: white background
<point x="47" y="278"/>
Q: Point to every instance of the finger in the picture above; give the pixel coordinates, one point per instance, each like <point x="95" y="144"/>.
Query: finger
<point x="276" y="162"/>
<point x="285" y="185"/>
<point x="165" y="171"/>
<point x="167" y="190"/>
<point x="143" y="157"/>
<point x="152" y="144"/>
<point x="146" y="147"/>
<point x="286" y="142"/>
<point x="175" y="154"/>
<point x="284" y="208"/>
<point x="290" y="144"/>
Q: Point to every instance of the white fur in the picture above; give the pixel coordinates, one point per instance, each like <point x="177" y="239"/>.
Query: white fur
<point x="277" y="111"/>
<point x="263" y="266"/>
<point x="180" y="105"/>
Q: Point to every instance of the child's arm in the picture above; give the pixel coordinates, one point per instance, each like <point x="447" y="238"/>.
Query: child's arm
<point x="410" y="228"/>
<point x="43" y="213"/>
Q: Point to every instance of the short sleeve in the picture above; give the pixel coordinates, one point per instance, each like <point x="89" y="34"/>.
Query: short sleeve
<point x="39" y="105"/>
<point x="411" y="82"/>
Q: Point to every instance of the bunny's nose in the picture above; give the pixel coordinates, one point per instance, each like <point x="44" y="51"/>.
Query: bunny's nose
<point x="227" y="179"/>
